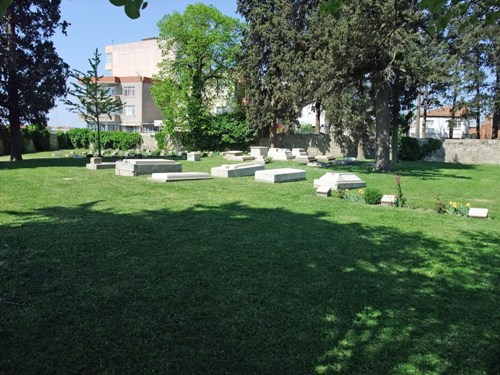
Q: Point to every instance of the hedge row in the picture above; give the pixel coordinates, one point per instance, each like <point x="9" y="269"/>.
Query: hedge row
<point x="83" y="138"/>
<point x="411" y="149"/>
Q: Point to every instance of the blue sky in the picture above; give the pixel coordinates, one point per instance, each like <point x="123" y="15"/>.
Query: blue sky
<point x="97" y="23"/>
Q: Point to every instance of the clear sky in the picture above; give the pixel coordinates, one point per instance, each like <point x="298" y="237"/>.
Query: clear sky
<point x="97" y="23"/>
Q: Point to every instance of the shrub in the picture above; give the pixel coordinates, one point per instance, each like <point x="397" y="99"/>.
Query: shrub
<point x="372" y="196"/>
<point x="409" y="149"/>
<point x="439" y="205"/>
<point x="117" y="140"/>
<point x="305" y="129"/>
<point x="156" y="152"/>
<point x="430" y="145"/>
<point x="160" y="139"/>
<point x="39" y="135"/>
<point x="5" y="138"/>
<point x="63" y="140"/>
<point x="80" y="137"/>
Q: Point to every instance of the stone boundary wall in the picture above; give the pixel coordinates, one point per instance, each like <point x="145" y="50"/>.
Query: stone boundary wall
<point x="467" y="151"/>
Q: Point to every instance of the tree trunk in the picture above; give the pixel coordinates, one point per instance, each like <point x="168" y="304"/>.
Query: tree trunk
<point x="13" y="93"/>
<point x="382" y="121"/>
<point x="272" y="133"/>
<point x="451" y="124"/>
<point x="496" y="107"/>
<point x="396" y="108"/>
<point x="478" y="111"/>
<point x="417" y="118"/>
<point x="317" y="109"/>
<point x="426" y="105"/>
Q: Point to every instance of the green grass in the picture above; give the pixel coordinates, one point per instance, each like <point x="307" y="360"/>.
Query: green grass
<point x="102" y="274"/>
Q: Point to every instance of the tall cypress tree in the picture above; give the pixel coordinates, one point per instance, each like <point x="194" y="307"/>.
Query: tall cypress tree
<point x="32" y="73"/>
<point x="273" y="61"/>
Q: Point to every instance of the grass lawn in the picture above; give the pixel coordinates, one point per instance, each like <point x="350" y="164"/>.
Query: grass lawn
<point x="101" y="274"/>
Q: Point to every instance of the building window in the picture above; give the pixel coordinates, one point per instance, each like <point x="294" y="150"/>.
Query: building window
<point x="458" y="124"/>
<point x="129" y="91"/>
<point x="129" y="110"/>
<point x="109" y="58"/>
<point x="109" y="90"/>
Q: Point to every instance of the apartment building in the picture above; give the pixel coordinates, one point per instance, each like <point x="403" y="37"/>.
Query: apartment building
<point x="130" y="67"/>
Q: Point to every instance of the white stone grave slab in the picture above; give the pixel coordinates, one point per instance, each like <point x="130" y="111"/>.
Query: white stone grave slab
<point x="340" y="181"/>
<point x="230" y="154"/>
<point x="193" y="156"/>
<point x="325" y="158"/>
<point x="236" y="170"/>
<point x="280" y="154"/>
<point x="481" y="213"/>
<point x="388" y="200"/>
<point x="97" y="163"/>
<point x="259" y="152"/>
<point x="280" y="175"/>
<point x="179" y="176"/>
<point x="324" y="191"/>
<point x="137" y="167"/>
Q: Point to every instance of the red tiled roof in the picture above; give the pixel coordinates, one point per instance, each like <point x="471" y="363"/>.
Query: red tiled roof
<point x="446" y="112"/>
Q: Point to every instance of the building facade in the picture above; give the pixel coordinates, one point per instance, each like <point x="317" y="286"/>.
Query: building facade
<point x="438" y="122"/>
<point x="130" y="68"/>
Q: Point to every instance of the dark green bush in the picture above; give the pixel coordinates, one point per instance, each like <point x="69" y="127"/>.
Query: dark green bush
<point x="409" y="149"/>
<point x="117" y="140"/>
<point x="431" y="144"/>
<point x="160" y="139"/>
<point x="372" y="196"/>
<point x="80" y="137"/>
<point x="39" y="135"/>
<point x="63" y="140"/>
<point x="233" y="132"/>
<point x="5" y="138"/>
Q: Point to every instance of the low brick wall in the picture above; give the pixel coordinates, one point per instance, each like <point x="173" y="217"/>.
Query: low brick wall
<point x="468" y="151"/>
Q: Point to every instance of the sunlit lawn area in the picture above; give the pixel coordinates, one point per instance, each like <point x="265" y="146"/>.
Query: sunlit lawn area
<point x="101" y="274"/>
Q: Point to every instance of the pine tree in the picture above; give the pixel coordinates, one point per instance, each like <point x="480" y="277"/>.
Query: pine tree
<point x="92" y="100"/>
<point x="32" y="73"/>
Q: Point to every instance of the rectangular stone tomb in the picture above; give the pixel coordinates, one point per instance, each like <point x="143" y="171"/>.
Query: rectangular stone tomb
<point x="179" y="176"/>
<point x="280" y="175"/>
<point x="280" y="154"/>
<point x="388" y="200"/>
<point x="236" y="170"/>
<point x="324" y="191"/>
<point x="233" y="153"/>
<point x="340" y="181"/>
<point x="325" y="158"/>
<point x="480" y="213"/>
<point x="259" y="152"/>
<point x="96" y="163"/>
<point x="104" y="165"/>
<point x="137" y="167"/>
<point x="193" y="156"/>
<point x="299" y="152"/>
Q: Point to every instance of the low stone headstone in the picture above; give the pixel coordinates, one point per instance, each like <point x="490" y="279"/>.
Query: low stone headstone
<point x="388" y="200"/>
<point x="325" y="158"/>
<point x="280" y="154"/>
<point x="96" y="163"/>
<point x="280" y="175"/>
<point x="338" y="181"/>
<point x="137" y="167"/>
<point x="480" y="213"/>
<point x="236" y="170"/>
<point x="259" y="152"/>
<point x="179" y="176"/>
<point x="193" y="156"/>
<point x="324" y="191"/>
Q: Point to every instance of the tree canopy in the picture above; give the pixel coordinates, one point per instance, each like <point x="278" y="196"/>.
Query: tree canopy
<point x="200" y="47"/>
<point x="91" y="99"/>
<point x="33" y="75"/>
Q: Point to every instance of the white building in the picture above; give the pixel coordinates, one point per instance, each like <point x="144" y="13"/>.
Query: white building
<point x="438" y="120"/>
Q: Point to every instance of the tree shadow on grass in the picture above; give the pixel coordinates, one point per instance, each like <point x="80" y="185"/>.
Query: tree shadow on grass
<point x="424" y="171"/>
<point x="239" y="290"/>
<point x="42" y="163"/>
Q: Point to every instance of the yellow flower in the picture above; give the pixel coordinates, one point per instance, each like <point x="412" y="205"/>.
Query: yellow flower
<point x="468" y="205"/>
<point x="450" y="203"/>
